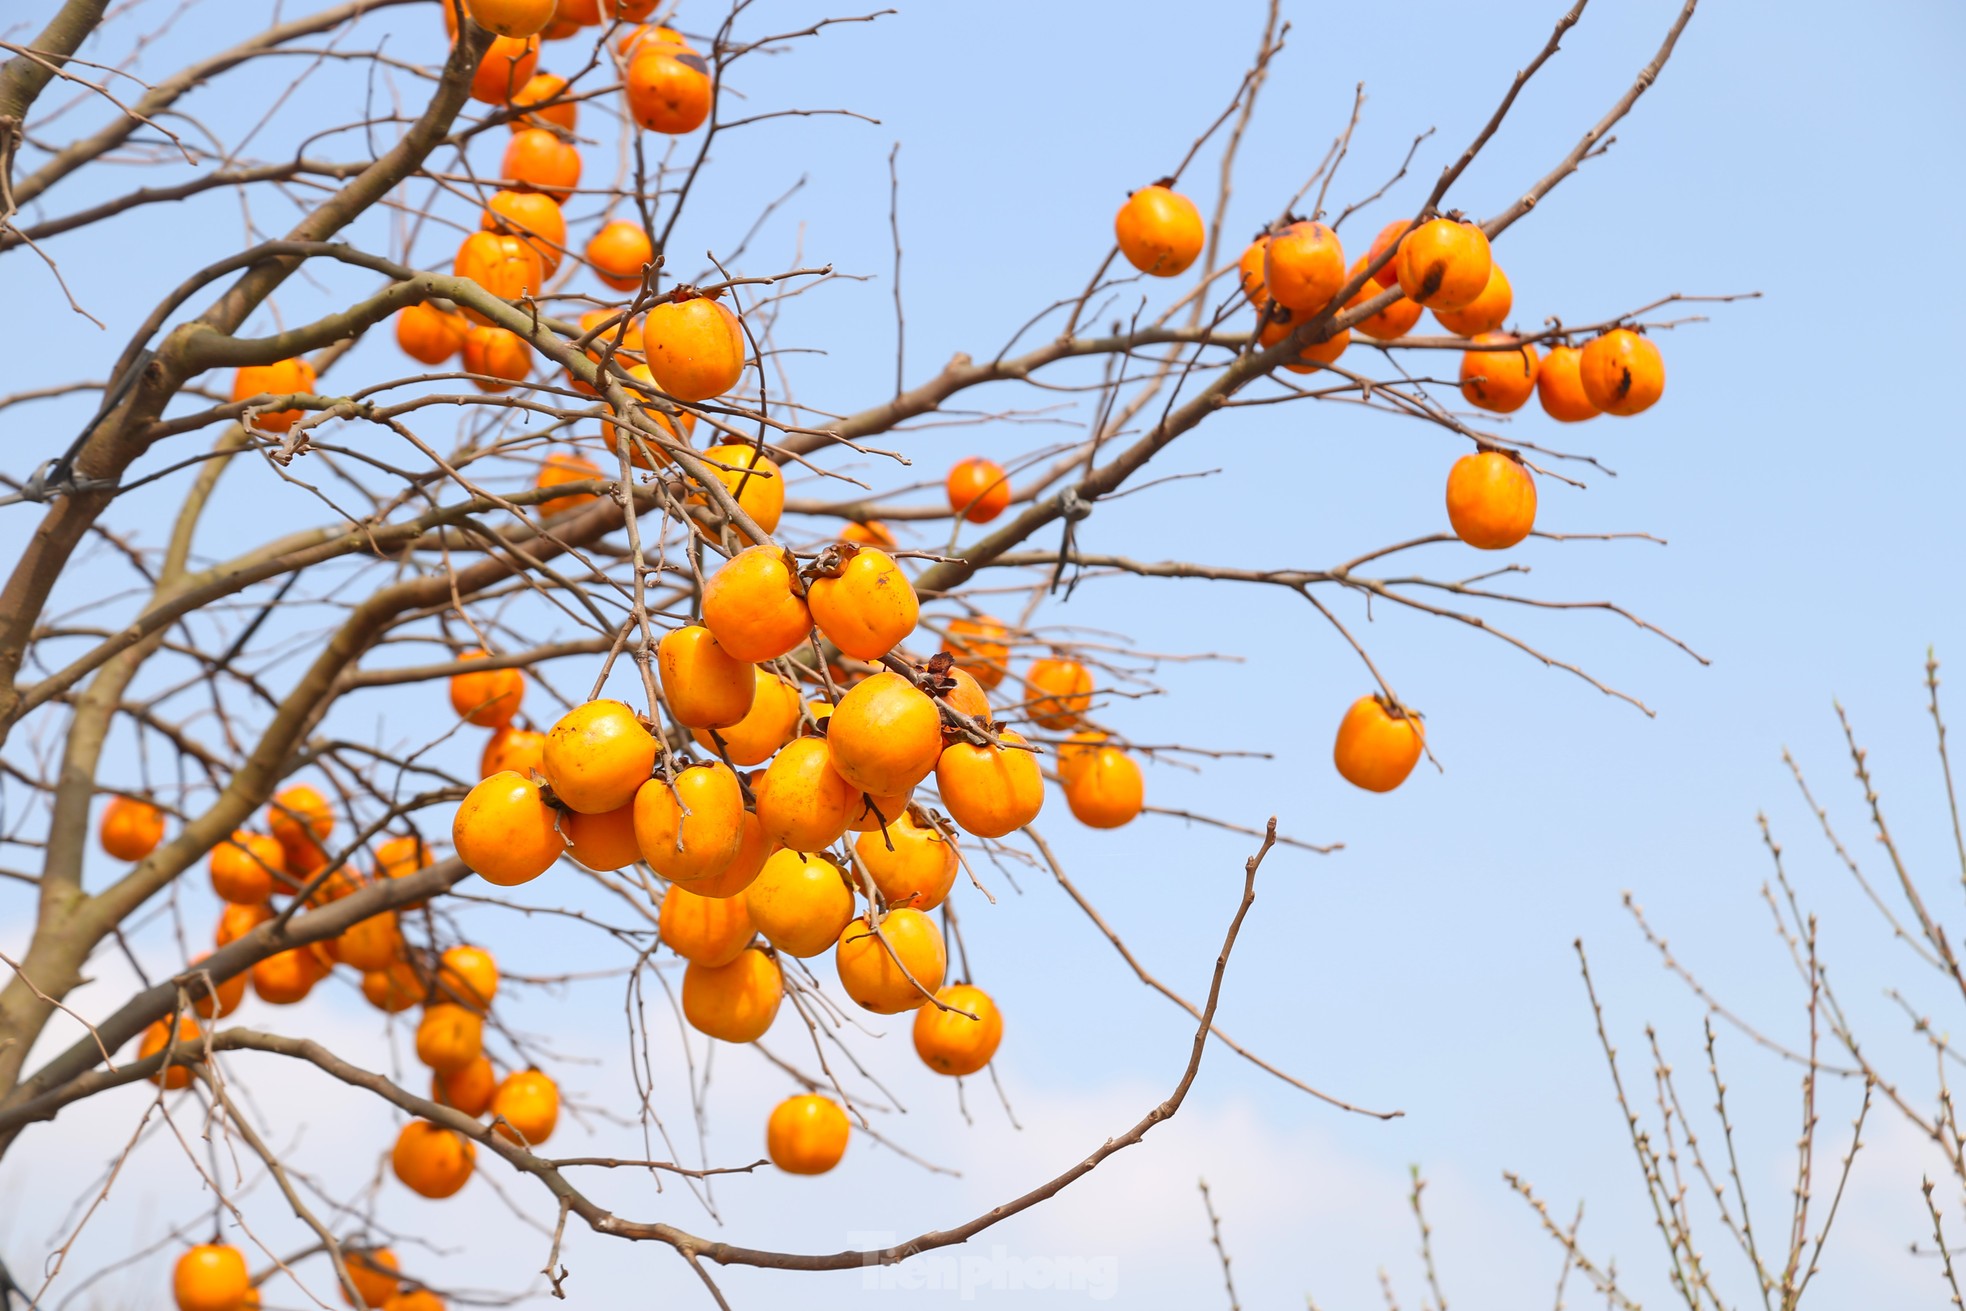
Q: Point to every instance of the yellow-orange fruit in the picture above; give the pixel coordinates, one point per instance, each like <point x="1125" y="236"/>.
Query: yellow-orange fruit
<point x="526" y="1107"/>
<point x="284" y="378"/>
<point x="754" y="607"/>
<point x="605" y="841"/>
<point x="990" y="791"/>
<point x="1159" y="231"/>
<point x="981" y="646"/>
<point x="695" y="348"/>
<point x="1491" y="500"/>
<point x="703" y="685"/>
<point x="244" y="866"/>
<point x="912" y="864"/>
<point x="159" y="1036"/>
<point x="1622" y="372"/>
<point x="769" y="724"/>
<point x="1560" y="386"/>
<point x="505" y="832"/>
<point x="1444" y="264"/>
<point x="1377" y="746"/>
<point x="518" y="749"/>
<point x="211" y="1277"/>
<point x="598" y="756"/>
<point x="806" y="1134"/>
<point x="955" y="1044"/>
<point x="868" y="607"/>
<point x="799" y="902"/>
<point x="1499" y="381"/>
<point x="618" y="253"/>
<point x="488" y="698"/>
<point x="690" y="827"/>
<point x="735" y="1002"/>
<point x="430" y="335"/>
<point x="1303" y="267"/>
<point x="1486" y="312"/>
<point x="1107" y="790"/>
<point x="564" y="467"/>
<point x="468" y="976"/>
<point x="802" y="801"/>
<point x="753" y="848"/>
<point x="468" y="1088"/>
<point x="885" y="735"/>
<point x="1058" y="691"/>
<point x="881" y="971"/>
<point x="669" y="89"/>
<point x="432" y="1161"/>
<point x="130" y="829"/>
<point x="449" y="1037"/>
<point x="754" y="481"/>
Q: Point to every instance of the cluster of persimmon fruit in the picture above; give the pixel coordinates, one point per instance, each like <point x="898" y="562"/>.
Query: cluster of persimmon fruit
<point x="1295" y="270"/>
<point x="252" y="873"/>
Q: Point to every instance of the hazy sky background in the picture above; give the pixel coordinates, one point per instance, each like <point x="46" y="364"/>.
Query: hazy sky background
<point x="1805" y="479"/>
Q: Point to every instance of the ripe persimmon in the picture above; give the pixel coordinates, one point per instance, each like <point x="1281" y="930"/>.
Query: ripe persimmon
<point x="752" y="478"/>
<point x="1378" y="744"/>
<point x="505" y="70"/>
<point x="871" y="533"/>
<point x="1486" y="312"/>
<point x="1160" y="231"/>
<point x="753" y="849"/>
<point x="979" y="489"/>
<point x="669" y="89"/>
<point x="1560" y="386"/>
<point x="500" y="359"/>
<point x="468" y="1088"/>
<point x="1491" y="499"/>
<point x="1249" y="271"/>
<point x="511" y="17"/>
<point x="875" y="811"/>
<point x="1106" y="790"/>
<point x="1396" y="320"/>
<point x="990" y="791"/>
<point x="293" y="377"/>
<point x="209" y="1000"/>
<point x="689" y="827"/>
<point x="431" y="1160"/>
<point x="912" y="864"/>
<point x="449" y="1037"/>
<point x="649" y="35"/>
<point x="211" y="1277"/>
<point x="598" y="756"/>
<point x="1498" y="380"/>
<point x="677" y="427"/>
<point x="488" y="698"/>
<point x="1622" y="372"/>
<point x="708" y="931"/>
<point x="502" y="264"/>
<point x="300" y="820"/>
<point x="130" y="829"/>
<point x="394" y="989"/>
<point x="1444" y="264"/>
<point x="236" y="921"/>
<point x="1303" y="267"/>
<point x="374" y="1271"/>
<point x="608" y="332"/>
<point x="401" y="857"/>
<point x="802" y="801"/>
<point x="430" y="335"/>
<point x="504" y="830"/>
<point x="952" y="1043"/>
<point x="526" y="1107"/>
<point x="735" y="1002"/>
<point x="1057" y="691"/>
<point x="881" y="971"/>
<point x="564" y="467"/>
<point x="538" y="159"/>
<point x="618" y="253"/>
<point x="1282" y="323"/>
<point x="806" y="1134"/>
<point x="885" y="735"/>
<point x="540" y="88"/>
<point x="981" y="646"/>
<point x="286" y="977"/>
<point x="158" y="1036"/>
<point x="799" y="902"/>
<point x="769" y="724"/>
<point x="520" y="750"/>
<point x="695" y="347"/>
<point x="370" y="944"/>
<point x="534" y="218"/>
<point x="1388" y="274"/>
<point x="701" y="684"/>
<point x="754" y="606"/>
<point x="468" y="976"/>
<point x="602" y="842"/>
<point x="868" y="606"/>
<point x="1077" y="751"/>
<point x="967" y="696"/>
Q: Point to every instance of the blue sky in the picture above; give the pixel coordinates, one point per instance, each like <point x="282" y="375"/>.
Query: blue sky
<point x="1804" y="478"/>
